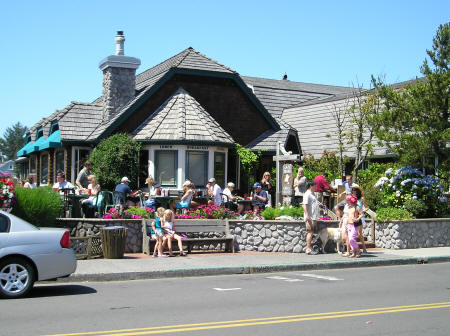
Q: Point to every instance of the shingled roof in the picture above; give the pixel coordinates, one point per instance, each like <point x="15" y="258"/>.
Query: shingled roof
<point x="181" y="119"/>
<point x="276" y="95"/>
<point x="187" y="59"/>
<point x="317" y="130"/>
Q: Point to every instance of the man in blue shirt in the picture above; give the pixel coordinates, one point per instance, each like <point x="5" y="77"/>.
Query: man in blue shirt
<point x="124" y="190"/>
<point x="259" y="197"/>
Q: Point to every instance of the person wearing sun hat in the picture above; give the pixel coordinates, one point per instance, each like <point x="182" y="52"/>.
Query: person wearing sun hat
<point x="351" y="222"/>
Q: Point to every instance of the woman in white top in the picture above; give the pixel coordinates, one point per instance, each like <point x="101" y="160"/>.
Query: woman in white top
<point x="94" y="196"/>
<point x="299" y="186"/>
<point x="169" y="232"/>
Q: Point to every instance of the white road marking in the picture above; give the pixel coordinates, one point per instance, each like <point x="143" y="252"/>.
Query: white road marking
<point x="284" y="279"/>
<point x="226" y="289"/>
<point x="323" y="277"/>
<point x="277" y="278"/>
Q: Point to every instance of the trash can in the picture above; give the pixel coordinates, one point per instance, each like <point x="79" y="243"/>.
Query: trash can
<point x="113" y="241"/>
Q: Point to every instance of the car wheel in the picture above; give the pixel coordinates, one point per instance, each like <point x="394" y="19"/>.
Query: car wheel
<point x="17" y="277"/>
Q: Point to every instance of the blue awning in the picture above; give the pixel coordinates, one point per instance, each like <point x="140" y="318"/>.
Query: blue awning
<point x="36" y="144"/>
<point x="26" y="149"/>
<point x="53" y="141"/>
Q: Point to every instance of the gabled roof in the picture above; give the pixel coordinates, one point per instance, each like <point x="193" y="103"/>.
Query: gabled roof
<point x="187" y="59"/>
<point x="78" y="120"/>
<point x="276" y="95"/>
<point x="181" y="119"/>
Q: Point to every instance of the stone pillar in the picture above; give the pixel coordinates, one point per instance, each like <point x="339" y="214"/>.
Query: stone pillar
<point x="119" y="78"/>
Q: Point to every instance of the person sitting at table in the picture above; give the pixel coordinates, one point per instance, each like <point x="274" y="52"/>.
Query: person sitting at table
<point x="150" y="192"/>
<point x="62" y="183"/>
<point x="186" y="200"/>
<point x="124" y="191"/>
<point x="214" y="191"/>
<point x="259" y="197"/>
<point x="230" y="198"/>
<point x="30" y="182"/>
<point x="94" y="197"/>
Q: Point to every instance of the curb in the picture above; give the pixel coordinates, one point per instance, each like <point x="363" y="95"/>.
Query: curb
<point x="214" y="271"/>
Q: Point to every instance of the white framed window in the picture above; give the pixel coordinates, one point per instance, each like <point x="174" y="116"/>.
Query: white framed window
<point x="166" y="167"/>
<point x="197" y="167"/>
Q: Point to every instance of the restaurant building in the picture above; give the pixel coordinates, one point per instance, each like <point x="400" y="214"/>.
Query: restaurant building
<point x="188" y="112"/>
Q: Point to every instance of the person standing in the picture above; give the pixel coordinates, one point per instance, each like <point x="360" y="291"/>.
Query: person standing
<point x="299" y="187"/>
<point x="311" y="213"/>
<point x="82" y="180"/>
<point x="322" y="186"/>
<point x="267" y="186"/>
<point x="214" y="191"/>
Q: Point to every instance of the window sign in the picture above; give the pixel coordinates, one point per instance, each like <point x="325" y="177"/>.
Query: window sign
<point x="219" y="168"/>
<point x="59" y="162"/>
<point x="166" y="168"/>
<point x="197" y="167"/>
<point x="44" y="168"/>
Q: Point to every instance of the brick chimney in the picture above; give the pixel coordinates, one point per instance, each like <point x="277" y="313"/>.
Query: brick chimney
<point x="119" y="78"/>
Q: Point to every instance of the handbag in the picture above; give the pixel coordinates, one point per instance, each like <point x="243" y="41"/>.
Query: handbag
<point x="357" y="222"/>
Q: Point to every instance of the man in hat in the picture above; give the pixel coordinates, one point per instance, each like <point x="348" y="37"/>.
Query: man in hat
<point x="124" y="191"/>
<point x="259" y="197"/>
<point x="214" y="191"/>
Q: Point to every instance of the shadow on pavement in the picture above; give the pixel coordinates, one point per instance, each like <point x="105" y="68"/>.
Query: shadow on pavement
<point x="44" y="290"/>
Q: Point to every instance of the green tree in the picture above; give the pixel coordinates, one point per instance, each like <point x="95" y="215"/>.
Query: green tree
<point x="115" y="157"/>
<point x="13" y="140"/>
<point x="414" y="122"/>
<point x="248" y="160"/>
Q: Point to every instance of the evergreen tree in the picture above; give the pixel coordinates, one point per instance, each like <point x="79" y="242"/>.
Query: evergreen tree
<point x="13" y="140"/>
<point x="414" y="122"/>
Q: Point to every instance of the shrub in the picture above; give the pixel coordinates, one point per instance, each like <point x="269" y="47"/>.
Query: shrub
<point x="39" y="206"/>
<point x="272" y="213"/>
<point x="416" y="207"/>
<point x="115" y="157"/>
<point x="387" y="214"/>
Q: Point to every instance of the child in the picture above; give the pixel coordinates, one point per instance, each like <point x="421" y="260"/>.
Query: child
<point x="169" y="230"/>
<point x="158" y="234"/>
<point x="354" y="214"/>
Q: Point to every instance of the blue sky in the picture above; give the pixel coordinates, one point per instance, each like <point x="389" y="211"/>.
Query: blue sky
<point x="50" y="50"/>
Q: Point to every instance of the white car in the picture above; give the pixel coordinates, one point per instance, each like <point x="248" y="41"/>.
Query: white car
<point x="29" y="254"/>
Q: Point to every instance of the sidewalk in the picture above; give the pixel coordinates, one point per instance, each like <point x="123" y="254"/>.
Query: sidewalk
<point x="140" y="266"/>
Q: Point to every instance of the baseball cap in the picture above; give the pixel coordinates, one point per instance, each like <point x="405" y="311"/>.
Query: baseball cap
<point x="125" y="179"/>
<point x="256" y="185"/>
<point x="187" y="183"/>
<point x="230" y="184"/>
<point x="212" y="179"/>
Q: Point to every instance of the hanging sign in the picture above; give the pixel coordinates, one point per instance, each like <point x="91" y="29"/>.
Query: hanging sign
<point x="286" y="181"/>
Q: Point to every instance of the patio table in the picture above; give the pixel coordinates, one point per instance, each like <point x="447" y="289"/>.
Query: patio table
<point x="76" y="204"/>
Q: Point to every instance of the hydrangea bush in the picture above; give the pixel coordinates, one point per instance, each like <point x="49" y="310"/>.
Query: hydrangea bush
<point x="7" y="197"/>
<point x="400" y="186"/>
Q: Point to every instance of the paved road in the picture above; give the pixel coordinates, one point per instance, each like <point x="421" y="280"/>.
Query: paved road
<point x="395" y="300"/>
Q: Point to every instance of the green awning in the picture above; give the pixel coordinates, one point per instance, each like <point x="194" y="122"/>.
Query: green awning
<point x="28" y="148"/>
<point x="53" y="141"/>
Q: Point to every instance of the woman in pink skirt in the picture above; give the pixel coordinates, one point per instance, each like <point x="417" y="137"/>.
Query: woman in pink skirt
<point x="354" y="216"/>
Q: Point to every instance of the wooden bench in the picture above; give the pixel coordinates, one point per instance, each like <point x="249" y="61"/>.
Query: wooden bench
<point x="190" y="226"/>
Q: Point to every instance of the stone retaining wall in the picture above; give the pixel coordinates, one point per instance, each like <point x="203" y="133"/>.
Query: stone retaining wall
<point x="83" y="227"/>
<point x="285" y="236"/>
<point x="272" y="236"/>
<point x="415" y="233"/>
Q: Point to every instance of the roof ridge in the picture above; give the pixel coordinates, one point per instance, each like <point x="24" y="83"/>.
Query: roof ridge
<point x="212" y="60"/>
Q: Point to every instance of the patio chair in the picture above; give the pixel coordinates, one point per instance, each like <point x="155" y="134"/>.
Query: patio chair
<point x="66" y="206"/>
